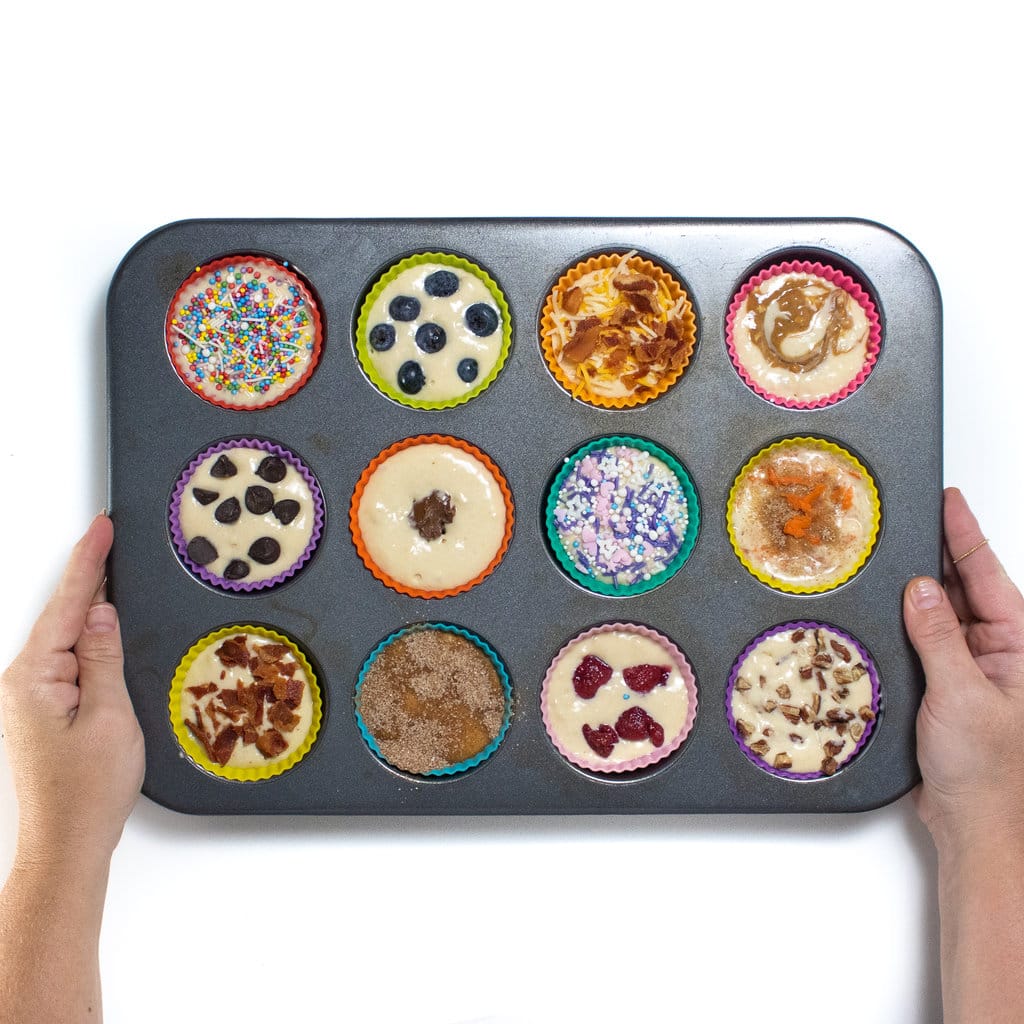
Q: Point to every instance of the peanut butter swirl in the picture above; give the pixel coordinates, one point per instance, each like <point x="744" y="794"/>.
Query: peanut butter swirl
<point x="798" y="321"/>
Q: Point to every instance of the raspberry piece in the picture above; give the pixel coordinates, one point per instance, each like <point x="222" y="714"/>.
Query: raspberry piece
<point x="634" y="724"/>
<point x="644" y="678"/>
<point x="657" y="733"/>
<point x="590" y="675"/>
<point x="600" y="740"/>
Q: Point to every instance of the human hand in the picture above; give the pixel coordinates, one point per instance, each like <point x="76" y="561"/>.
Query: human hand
<point x="76" y="751"/>
<point x="970" y="728"/>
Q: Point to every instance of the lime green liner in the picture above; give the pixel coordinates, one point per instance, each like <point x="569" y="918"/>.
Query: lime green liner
<point x="195" y="751"/>
<point x="362" y="329"/>
<point x="875" y="525"/>
<point x="685" y="548"/>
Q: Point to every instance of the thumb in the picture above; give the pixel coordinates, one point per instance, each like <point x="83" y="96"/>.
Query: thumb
<point x="934" y="630"/>
<point x="100" y="657"/>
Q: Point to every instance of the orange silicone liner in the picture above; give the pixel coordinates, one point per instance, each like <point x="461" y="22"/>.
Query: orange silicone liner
<point x="871" y="536"/>
<point x="549" y="332"/>
<point x="357" y="495"/>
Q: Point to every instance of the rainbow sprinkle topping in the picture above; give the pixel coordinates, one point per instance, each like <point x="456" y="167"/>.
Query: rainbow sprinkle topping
<point x="621" y="515"/>
<point x="244" y="334"/>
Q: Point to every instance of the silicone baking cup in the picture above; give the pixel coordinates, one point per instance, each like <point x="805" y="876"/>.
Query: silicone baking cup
<point x="462" y="766"/>
<point x="551" y="337"/>
<point x="195" y="751"/>
<point x="577" y="567"/>
<point x="834" y="277"/>
<point x="244" y="332"/>
<point x="181" y="542"/>
<point x="669" y="651"/>
<point x="869" y="726"/>
<point x="857" y="559"/>
<point x="363" y="328"/>
<point x="360" y="541"/>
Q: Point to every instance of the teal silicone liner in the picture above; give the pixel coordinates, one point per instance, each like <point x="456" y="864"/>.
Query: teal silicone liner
<point x="506" y="685"/>
<point x="685" y="548"/>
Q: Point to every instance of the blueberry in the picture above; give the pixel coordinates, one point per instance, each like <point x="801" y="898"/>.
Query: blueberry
<point x="411" y="378"/>
<point x="481" y="319"/>
<point x="467" y="370"/>
<point x="272" y="469"/>
<point x="404" y="308"/>
<point x="259" y="500"/>
<point x="201" y="551"/>
<point x="286" y="510"/>
<point x="236" y="569"/>
<point x="203" y="496"/>
<point x="223" y="468"/>
<point x="430" y="337"/>
<point x="441" y="283"/>
<point x="382" y="337"/>
<point x="265" y="550"/>
<point x="228" y="511"/>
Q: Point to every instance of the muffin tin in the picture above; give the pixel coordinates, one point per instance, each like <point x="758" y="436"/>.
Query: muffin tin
<point x="527" y="609"/>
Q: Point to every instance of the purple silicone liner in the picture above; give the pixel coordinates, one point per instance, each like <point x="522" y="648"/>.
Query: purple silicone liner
<point x="181" y="544"/>
<point x="659" y="753"/>
<point x="868" y="726"/>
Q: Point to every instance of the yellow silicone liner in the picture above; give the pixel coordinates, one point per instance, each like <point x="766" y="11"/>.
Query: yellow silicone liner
<point x="548" y="330"/>
<point x="195" y="751"/>
<point x="874" y="527"/>
<point x="362" y="328"/>
<point x="410" y="442"/>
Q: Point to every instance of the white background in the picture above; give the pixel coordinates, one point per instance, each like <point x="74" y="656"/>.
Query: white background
<point x="119" y="118"/>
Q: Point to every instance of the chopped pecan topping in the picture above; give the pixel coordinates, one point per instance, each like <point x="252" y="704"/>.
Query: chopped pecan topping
<point x="783" y="761"/>
<point x="839" y="715"/>
<point x="760" y="747"/>
<point x="842" y="675"/>
<point x="822" y="660"/>
<point x="833" y="747"/>
<point x="822" y="685"/>
<point x="792" y="713"/>
<point x="745" y="729"/>
<point x="770" y="705"/>
<point x="816" y="704"/>
<point x="784" y="691"/>
<point x="742" y="684"/>
<point x="796" y="636"/>
<point x="806" y="672"/>
<point x="797" y="738"/>
<point x="856" y="730"/>
<point x="829" y="766"/>
<point x="866" y="714"/>
<point x="841" y="649"/>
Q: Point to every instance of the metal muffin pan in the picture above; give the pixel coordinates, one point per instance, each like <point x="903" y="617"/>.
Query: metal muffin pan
<point x="526" y="610"/>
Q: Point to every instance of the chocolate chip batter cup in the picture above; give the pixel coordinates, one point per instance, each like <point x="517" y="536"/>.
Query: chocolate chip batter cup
<point x="803" y="515"/>
<point x="433" y="700"/>
<point x="803" y="700"/>
<point x="618" y="698"/>
<point x="431" y="516"/>
<point x="245" y="515"/>
<point x="244" y="332"/>
<point x="245" y="704"/>
<point x="434" y="331"/>
<point x="617" y="330"/>
<point x="621" y="516"/>
<point x="803" y="335"/>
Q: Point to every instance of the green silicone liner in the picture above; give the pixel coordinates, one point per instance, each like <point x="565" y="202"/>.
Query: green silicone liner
<point x="685" y="549"/>
<point x="362" y="343"/>
<point x="471" y="762"/>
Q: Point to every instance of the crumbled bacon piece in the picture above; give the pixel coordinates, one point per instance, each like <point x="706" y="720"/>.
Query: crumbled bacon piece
<point x="271" y="652"/>
<point x="224" y="745"/>
<point x="271" y="744"/>
<point x="203" y="690"/>
<point x="233" y="652"/>
<point x="281" y="715"/>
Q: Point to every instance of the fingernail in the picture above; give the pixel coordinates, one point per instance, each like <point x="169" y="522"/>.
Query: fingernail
<point x="101" y="618"/>
<point x="925" y="594"/>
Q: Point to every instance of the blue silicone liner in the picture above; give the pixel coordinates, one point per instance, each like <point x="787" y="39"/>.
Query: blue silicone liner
<point x="506" y="685"/>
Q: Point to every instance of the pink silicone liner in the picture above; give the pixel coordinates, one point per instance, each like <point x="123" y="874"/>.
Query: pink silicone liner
<point x="181" y="544"/>
<point x="833" y="276"/>
<point x="659" y="753"/>
<point x="876" y="700"/>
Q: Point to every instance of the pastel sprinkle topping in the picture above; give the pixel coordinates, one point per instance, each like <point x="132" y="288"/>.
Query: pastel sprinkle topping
<point x="242" y="333"/>
<point x="621" y="515"/>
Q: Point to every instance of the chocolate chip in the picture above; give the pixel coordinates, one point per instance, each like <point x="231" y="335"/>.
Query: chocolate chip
<point x="259" y="500"/>
<point x="265" y="550"/>
<point x="228" y="511"/>
<point x="236" y="569"/>
<point x="201" y="551"/>
<point x="203" y="496"/>
<point x="286" y="510"/>
<point x="272" y="469"/>
<point x="430" y="515"/>
<point x="223" y="468"/>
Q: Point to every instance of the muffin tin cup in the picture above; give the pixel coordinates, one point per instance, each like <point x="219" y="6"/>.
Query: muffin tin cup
<point x="363" y="327"/>
<point x="181" y="543"/>
<point x="679" y="559"/>
<point x="659" y="753"/>
<point x="264" y="265"/>
<point x="549" y="329"/>
<point x="876" y="701"/>
<point x="836" y="277"/>
<point x="357" y="536"/>
<point x="832" y="582"/>
<point x="462" y="766"/>
<point x="194" y="750"/>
